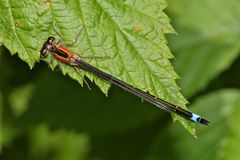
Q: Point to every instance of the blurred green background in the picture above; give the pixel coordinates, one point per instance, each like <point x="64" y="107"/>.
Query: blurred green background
<point x="45" y="115"/>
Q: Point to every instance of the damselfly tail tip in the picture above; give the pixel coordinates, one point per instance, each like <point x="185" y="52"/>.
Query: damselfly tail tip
<point x="203" y="121"/>
<point x="199" y="119"/>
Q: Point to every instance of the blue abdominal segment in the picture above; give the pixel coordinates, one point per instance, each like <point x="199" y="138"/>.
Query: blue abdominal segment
<point x="199" y="119"/>
<point x="195" y="117"/>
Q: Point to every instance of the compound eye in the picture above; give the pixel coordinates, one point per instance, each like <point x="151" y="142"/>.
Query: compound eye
<point x="44" y="52"/>
<point x="51" y="40"/>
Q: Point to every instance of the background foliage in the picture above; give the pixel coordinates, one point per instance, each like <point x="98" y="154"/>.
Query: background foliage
<point x="45" y="115"/>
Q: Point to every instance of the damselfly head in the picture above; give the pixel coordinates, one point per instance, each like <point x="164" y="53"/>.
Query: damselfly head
<point x="47" y="46"/>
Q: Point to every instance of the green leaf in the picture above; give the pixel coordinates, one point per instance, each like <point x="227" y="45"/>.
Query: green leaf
<point x="60" y="144"/>
<point x="208" y="41"/>
<point x="1" y="140"/>
<point x="223" y="134"/>
<point x="130" y="32"/>
<point x="19" y="99"/>
<point x="7" y="130"/>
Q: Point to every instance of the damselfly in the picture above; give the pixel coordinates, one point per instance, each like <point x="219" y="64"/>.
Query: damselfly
<point x="64" y="55"/>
